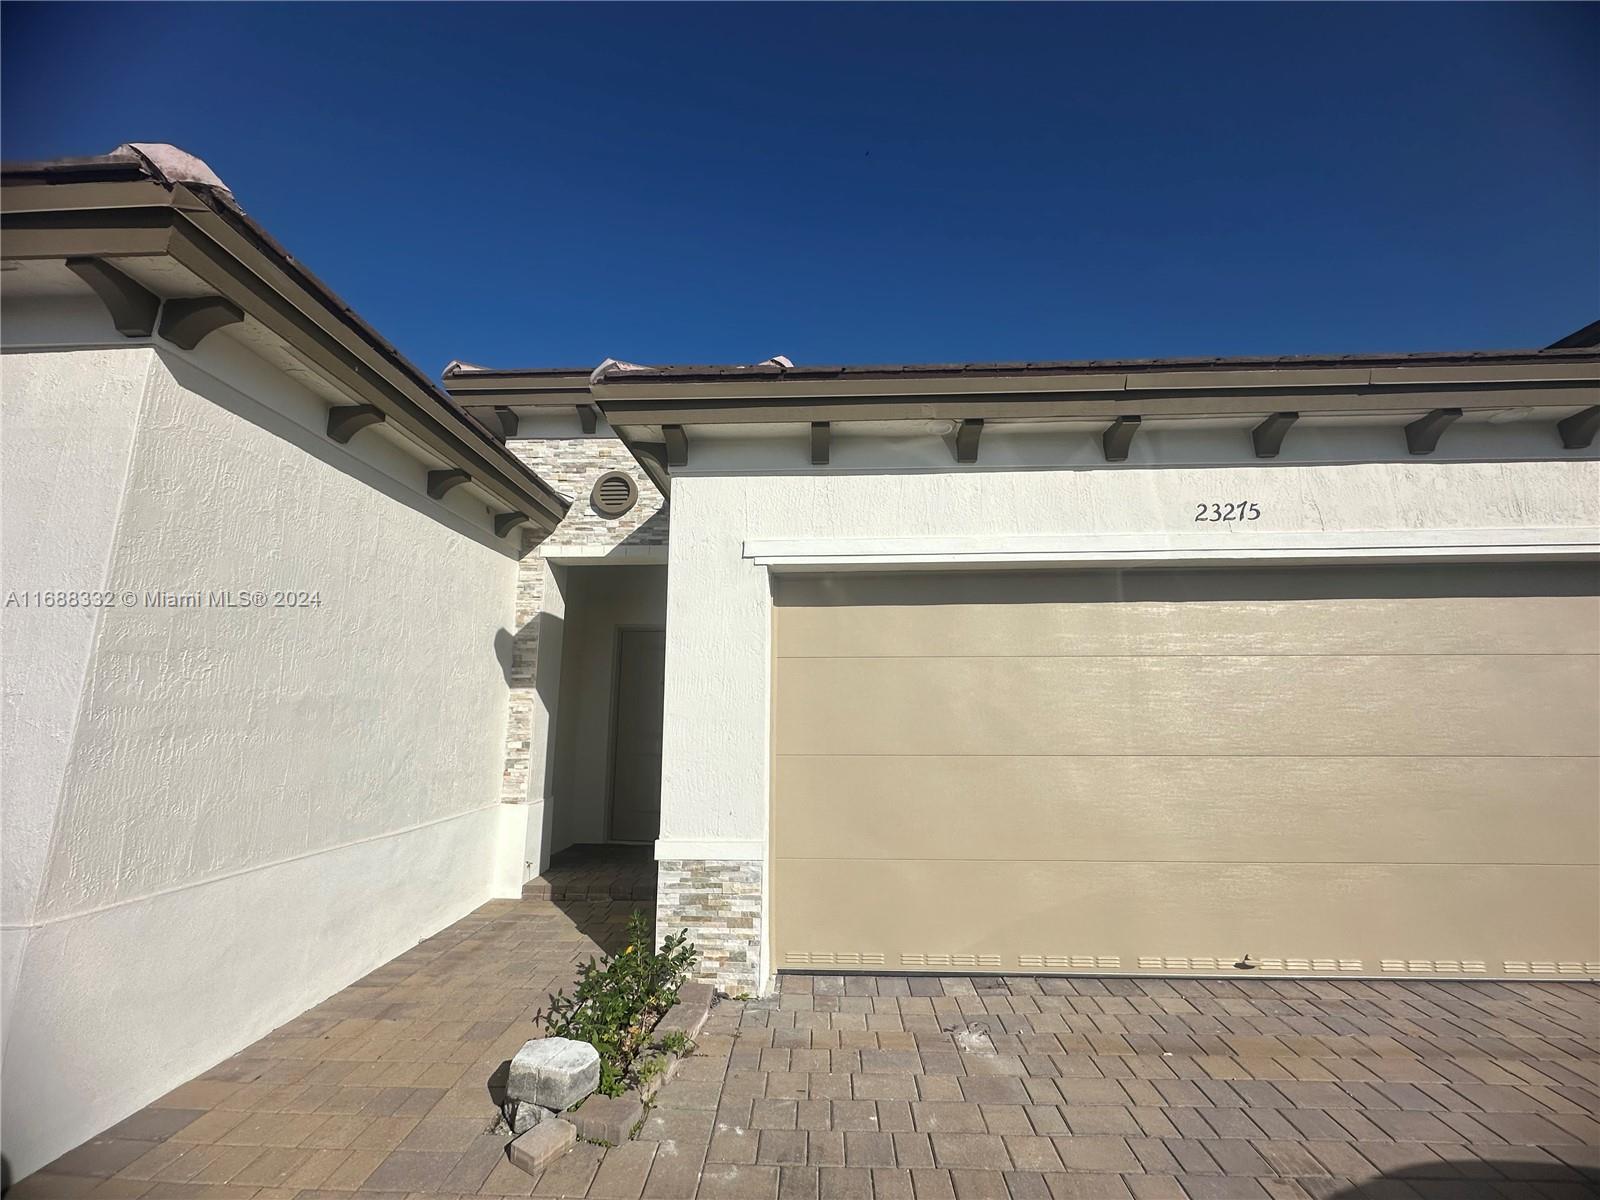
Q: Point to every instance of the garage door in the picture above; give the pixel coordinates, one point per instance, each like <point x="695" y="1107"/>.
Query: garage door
<point x="1357" y="770"/>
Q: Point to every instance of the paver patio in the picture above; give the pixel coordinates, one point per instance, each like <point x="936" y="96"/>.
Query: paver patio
<point x="885" y="1088"/>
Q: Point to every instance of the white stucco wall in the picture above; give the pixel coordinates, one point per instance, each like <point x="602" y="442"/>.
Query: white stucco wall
<point x="716" y="746"/>
<point x="216" y="817"/>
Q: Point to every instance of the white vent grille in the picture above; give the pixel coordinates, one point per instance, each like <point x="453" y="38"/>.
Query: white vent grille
<point x="1197" y="963"/>
<point x="969" y="961"/>
<point x="614" y="493"/>
<point x="831" y="958"/>
<point x="1433" y="966"/>
<point x="1552" y="968"/>
<point x="1069" y="962"/>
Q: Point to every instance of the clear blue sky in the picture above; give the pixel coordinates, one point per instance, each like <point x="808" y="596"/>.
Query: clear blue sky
<point x="550" y="185"/>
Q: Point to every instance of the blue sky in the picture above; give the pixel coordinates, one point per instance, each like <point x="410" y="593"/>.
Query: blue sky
<point x="552" y="184"/>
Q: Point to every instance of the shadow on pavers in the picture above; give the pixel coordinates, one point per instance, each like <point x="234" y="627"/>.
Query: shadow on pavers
<point x="1480" y="1179"/>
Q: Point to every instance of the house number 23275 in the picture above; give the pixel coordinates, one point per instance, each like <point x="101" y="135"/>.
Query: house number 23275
<point x="1242" y="510"/>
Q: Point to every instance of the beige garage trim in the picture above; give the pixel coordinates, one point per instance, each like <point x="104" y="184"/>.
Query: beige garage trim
<point x="1357" y="770"/>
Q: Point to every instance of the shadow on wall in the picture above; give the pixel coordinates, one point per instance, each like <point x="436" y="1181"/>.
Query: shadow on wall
<point x="1488" y="1179"/>
<point x="505" y="644"/>
<point x="520" y="651"/>
<point x="652" y="531"/>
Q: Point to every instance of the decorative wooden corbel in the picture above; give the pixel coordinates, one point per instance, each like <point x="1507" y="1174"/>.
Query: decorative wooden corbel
<point x="440" y="482"/>
<point x="505" y="522"/>
<point x="1577" y="431"/>
<point x="187" y="323"/>
<point x="132" y="306"/>
<point x="1422" y="435"/>
<point x="968" y="433"/>
<point x="1267" y="437"/>
<point x="677" y="445"/>
<point x="821" y="443"/>
<point x="1118" y="437"/>
<point x="347" y="420"/>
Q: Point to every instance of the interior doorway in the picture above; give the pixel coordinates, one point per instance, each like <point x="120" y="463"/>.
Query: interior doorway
<point x="635" y="801"/>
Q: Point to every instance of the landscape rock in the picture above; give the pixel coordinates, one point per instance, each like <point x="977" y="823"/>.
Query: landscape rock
<point x="521" y="1115"/>
<point x="542" y="1145"/>
<point x="553" y="1072"/>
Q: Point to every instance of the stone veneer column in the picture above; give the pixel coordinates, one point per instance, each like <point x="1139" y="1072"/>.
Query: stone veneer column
<point x="719" y="902"/>
<point x="524" y="674"/>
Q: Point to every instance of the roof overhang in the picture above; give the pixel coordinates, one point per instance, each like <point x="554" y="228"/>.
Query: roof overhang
<point x="657" y="410"/>
<point x="123" y="209"/>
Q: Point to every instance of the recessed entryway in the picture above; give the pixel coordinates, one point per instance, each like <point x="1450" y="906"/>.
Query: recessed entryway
<point x="607" y="778"/>
<point x="636" y="735"/>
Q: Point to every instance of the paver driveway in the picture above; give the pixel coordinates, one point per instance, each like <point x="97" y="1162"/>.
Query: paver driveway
<point x="896" y="1087"/>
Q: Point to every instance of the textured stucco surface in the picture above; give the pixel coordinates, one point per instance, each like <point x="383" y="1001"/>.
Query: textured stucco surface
<point x="258" y="804"/>
<point x="46" y="651"/>
<point x="716" y="747"/>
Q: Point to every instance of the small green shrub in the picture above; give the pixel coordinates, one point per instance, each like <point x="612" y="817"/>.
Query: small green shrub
<point x="675" y="1042"/>
<point x="619" y="999"/>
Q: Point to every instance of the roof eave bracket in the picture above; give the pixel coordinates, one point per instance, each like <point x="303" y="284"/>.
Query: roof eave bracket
<point x="968" y="433"/>
<point x="821" y="443"/>
<point x="1577" y="431"/>
<point x="187" y="323"/>
<point x="1422" y="435"/>
<point x="1118" y="437"/>
<point x="347" y="420"/>
<point x="133" y="307"/>
<point x="441" y="482"/>
<point x="1268" y="436"/>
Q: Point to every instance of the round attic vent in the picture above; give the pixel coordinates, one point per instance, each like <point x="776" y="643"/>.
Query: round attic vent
<point x="614" y="493"/>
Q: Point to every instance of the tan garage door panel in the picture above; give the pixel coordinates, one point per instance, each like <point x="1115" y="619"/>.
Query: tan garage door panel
<point x="1347" y="769"/>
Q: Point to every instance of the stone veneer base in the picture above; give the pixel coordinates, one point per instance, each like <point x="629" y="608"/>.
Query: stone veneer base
<point x="719" y="902"/>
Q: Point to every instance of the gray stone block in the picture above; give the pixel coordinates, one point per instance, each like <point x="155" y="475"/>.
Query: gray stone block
<point x="522" y="1115"/>
<point x="553" y="1072"/>
<point x="542" y="1145"/>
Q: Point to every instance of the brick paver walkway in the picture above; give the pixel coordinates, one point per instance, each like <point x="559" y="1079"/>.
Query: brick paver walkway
<point x="890" y="1088"/>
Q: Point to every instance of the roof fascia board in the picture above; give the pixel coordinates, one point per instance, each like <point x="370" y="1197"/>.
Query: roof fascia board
<point x="517" y="398"/>
<point x="1537" y="370"/>
<point x="88" y="233"/>
<point x="61" y="197"/>
<point x="509" y="385"/>
<point x="1376" y="400"/>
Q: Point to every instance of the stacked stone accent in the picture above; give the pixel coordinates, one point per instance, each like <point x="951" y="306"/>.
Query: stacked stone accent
<point x="524" y="667"/>
<point x="571" y="466"/>
<point x="719" y="902"/>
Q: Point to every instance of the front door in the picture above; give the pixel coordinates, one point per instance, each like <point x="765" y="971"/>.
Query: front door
<point x="636" y="735"/>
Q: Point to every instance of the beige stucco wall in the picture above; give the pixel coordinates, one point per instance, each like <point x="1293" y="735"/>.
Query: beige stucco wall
<point x="215" y="817"/>
<point x="717" y="749"/>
